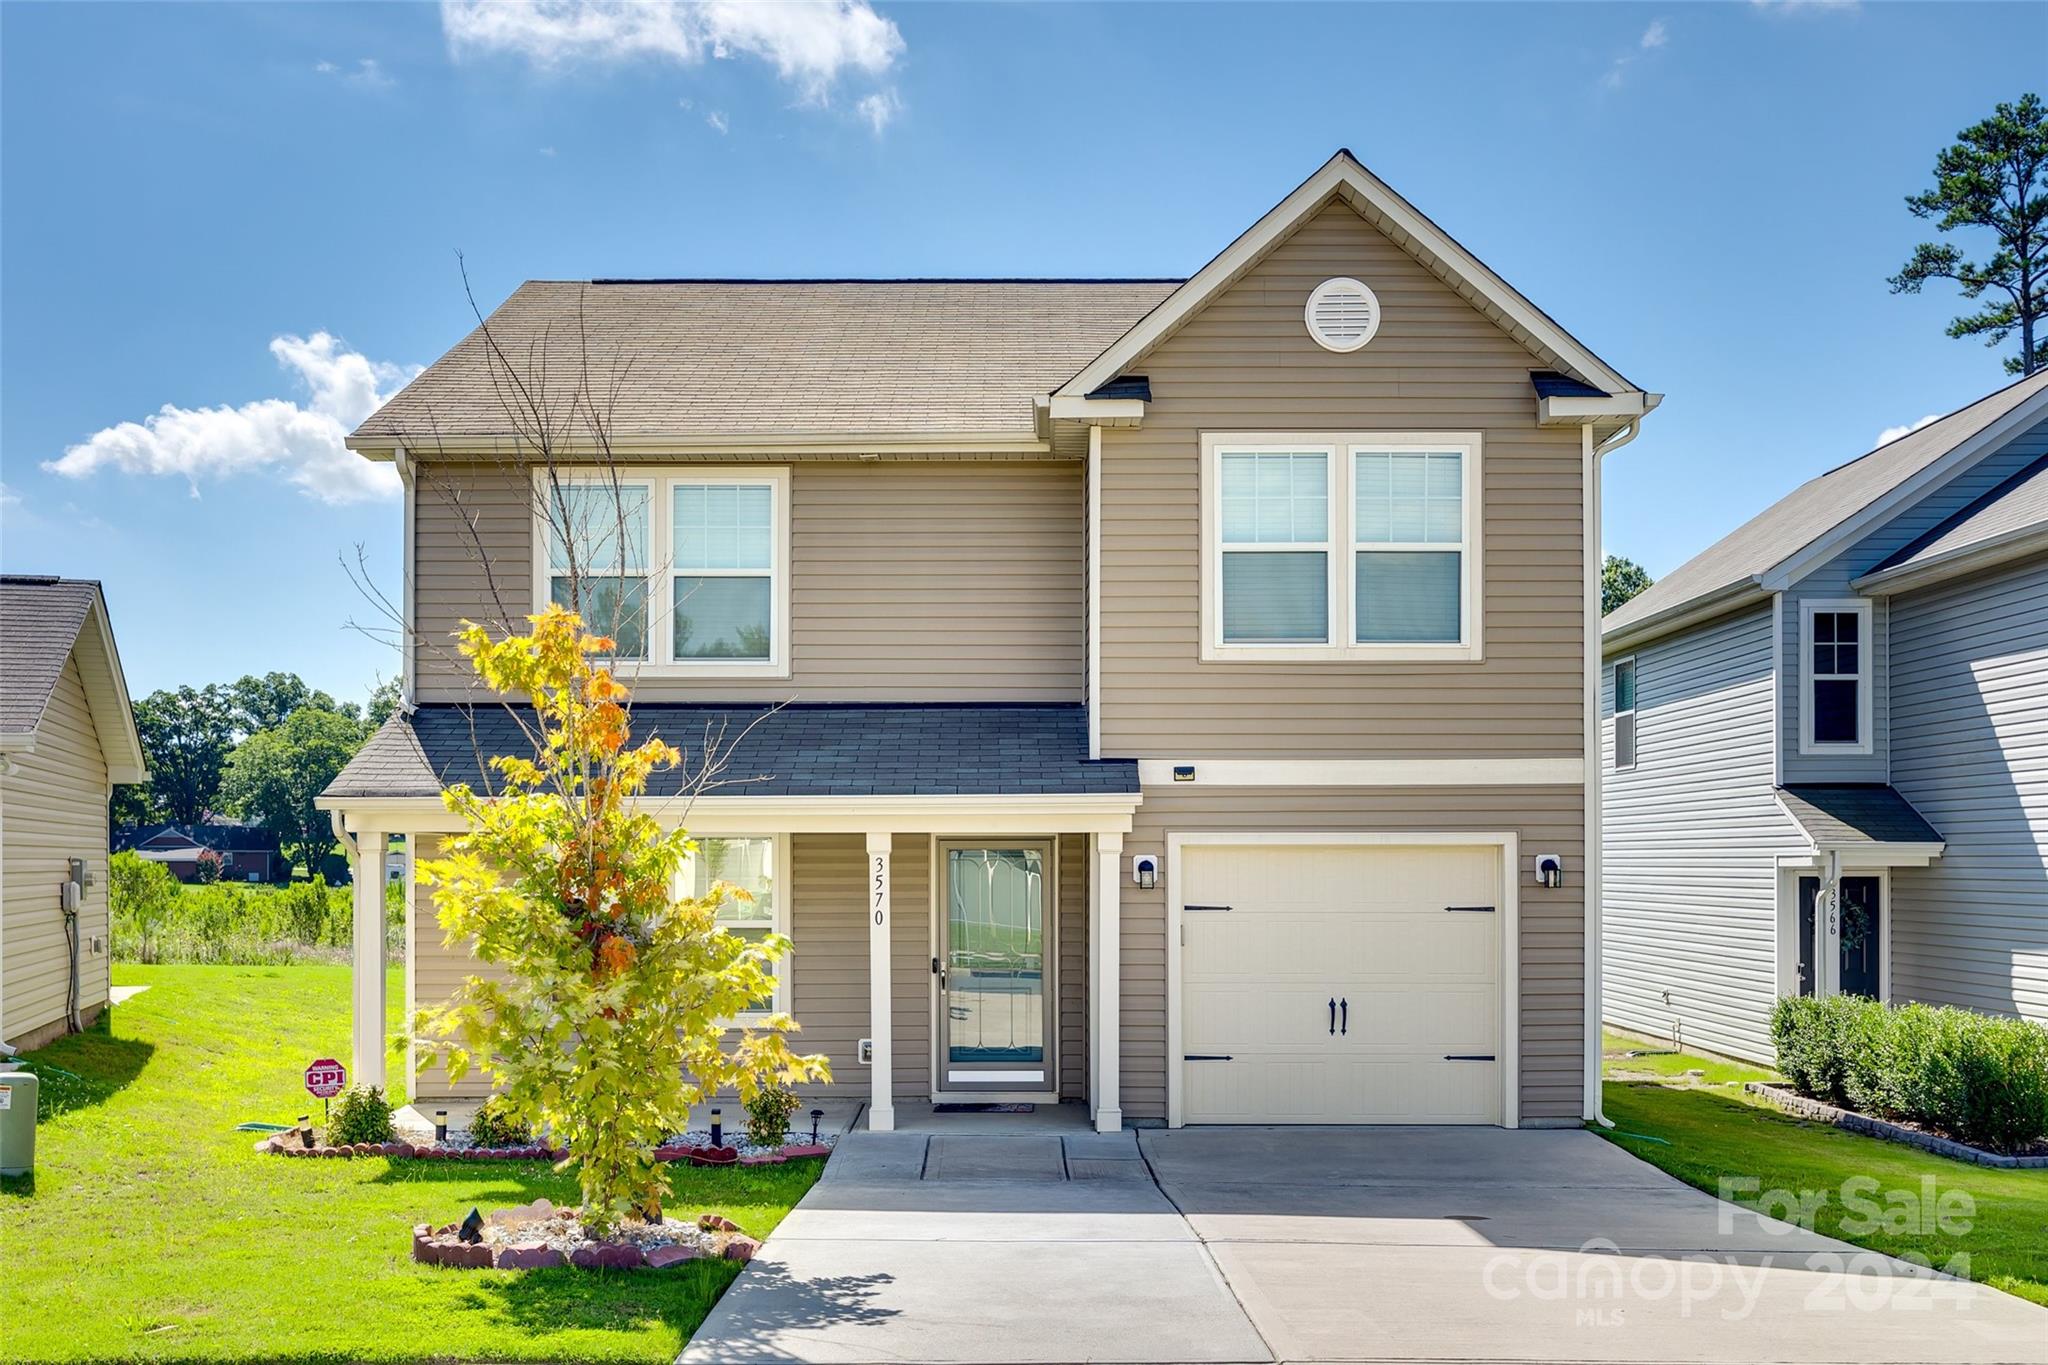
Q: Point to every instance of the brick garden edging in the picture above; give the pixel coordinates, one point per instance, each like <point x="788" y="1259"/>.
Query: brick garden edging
<point x="1792" y="1102"/>
<point x="292" y="1144"/>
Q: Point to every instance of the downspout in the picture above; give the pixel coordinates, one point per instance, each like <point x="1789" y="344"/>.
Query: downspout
<point x="340" y="828"/>
<point x="1093" y="530"/>
<point x="1590" y="454"/>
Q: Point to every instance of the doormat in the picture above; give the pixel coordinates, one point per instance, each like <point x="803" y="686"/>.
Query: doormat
<point x="984" y="1109"/>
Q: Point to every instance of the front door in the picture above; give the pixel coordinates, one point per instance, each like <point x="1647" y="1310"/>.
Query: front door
<point x="995" y="987"/>
<point x="1861" y="967"/>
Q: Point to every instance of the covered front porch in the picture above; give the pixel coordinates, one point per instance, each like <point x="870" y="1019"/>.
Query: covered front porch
<point x="951" y="947"/>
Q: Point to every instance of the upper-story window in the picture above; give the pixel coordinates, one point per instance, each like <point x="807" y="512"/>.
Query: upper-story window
<point x="1835" y="653"/>
<point x="687" y="570"/>
<point x="1624" y="714"/>
<point x="1361" y="545"/>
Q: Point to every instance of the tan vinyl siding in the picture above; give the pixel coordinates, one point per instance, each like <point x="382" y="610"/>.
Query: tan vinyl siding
<point x="1247" y="363"/>
<point x="1552" y="950"/>
<point x="434" y="971"/>
<point x="912" y="580"/>
<point x="828" y="967"/>
<point x="52" y="809"/>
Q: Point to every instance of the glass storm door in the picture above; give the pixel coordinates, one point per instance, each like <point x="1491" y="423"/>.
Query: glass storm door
<point x="994" y="996"/>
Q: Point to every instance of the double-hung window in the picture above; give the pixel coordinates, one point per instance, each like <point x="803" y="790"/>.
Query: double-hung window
<point x="1835" y="653"/>
<point x="1361" y="545"/>
<point x="687" y="570"/>
<point x="1624" y="714"/>
<point x="751" y="864"/>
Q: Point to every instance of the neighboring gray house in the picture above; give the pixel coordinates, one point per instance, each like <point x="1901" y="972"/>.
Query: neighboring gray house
<point x="1842" y="706"/>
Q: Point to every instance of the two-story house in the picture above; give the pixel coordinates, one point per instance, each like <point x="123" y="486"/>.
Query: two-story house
<point x="1172" y="696"/>
<point x="1826" y="743"/>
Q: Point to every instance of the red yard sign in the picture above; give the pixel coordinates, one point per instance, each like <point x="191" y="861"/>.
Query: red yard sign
<point x="325" y="1078"/>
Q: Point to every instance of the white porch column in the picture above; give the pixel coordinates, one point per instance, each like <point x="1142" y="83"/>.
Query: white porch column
<point x="1827" y="927"/>
<point x="367" y="1066"/>
<point x="882" y="1105"/>
<point x="1105" y="1014"/>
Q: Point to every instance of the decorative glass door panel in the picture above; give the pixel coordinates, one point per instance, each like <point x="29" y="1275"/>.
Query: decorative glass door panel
<point x="994" y="987"/>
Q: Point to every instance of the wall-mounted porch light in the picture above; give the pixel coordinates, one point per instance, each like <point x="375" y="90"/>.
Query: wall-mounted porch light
<point x="1549" y="870"/>
<point x="1145" y="871"/>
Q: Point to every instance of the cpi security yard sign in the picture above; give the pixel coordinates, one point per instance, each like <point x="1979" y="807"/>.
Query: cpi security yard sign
<point x="325" y="1078"/>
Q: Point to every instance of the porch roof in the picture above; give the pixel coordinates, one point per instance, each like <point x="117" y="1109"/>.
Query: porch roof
<point x="799" y="750"/>
<point x="1845" y="815"/>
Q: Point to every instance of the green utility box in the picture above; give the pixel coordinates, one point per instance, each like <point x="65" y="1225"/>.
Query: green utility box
<point x="18" y="1122"/>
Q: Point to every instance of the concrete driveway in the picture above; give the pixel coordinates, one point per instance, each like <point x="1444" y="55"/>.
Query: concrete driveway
<point x="1318" y="1245"/>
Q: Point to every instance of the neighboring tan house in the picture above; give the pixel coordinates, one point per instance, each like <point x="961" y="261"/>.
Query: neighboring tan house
<point x="1831" y="772"/>
<point x="248" y="853"/>
<point x="67" y="737"/>
<point x="1188" y="677"/>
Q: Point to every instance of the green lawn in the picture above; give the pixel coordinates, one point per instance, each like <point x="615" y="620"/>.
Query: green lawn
<point x="153" y="1232"/>
<point x="1701" y="1128"/>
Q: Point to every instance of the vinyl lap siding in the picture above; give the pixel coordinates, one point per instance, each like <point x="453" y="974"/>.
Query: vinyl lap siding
<point x="1552" y="949"/>
<point x="1690" y="837"/>
<point x="52" y="809"/>
<point x="912" y="580"/>
<point x="1970" y="750"/>
<point x="1833" y="579"/>
<point x="1246" y="363"/>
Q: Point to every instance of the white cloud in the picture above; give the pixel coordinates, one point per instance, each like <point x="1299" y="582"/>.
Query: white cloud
<point x="1890" y="434"/>
<point x="877" y="109"/>
<point x="301" y="442"/>
<point x="8" y="497"/>
<point x="1657" y="35"/>
<point x="717" y="121"/>
<point x="369" y="74"/>
<point x="810" y="43"/>
<point x="547" y="152"/>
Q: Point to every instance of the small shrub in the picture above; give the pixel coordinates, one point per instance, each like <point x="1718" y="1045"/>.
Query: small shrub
<point x="494" y="1125"/>
<point x="1811" y="1040"/>
<point x="141" y="896"/>
<point x="362" y="1114"/>
<point x="768" y="1115"/>
<point x="207" y="867"/>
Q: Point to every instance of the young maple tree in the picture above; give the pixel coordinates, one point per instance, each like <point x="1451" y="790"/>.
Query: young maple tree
<point x="610" y="1021"/>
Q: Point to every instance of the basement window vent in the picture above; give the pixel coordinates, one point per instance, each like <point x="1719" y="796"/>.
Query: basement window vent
<point x="1342" y="314"/>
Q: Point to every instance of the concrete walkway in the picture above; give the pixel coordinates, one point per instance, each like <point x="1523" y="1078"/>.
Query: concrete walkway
<point x="1222" y="1245"/>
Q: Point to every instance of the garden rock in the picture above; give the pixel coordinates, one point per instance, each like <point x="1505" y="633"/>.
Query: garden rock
<point x="717" y="1222"/>
<point x="661" y="1258"/>
<point x="741" y="1249"/>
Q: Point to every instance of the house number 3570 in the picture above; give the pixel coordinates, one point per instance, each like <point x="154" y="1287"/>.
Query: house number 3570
<point x="881" y="887"/>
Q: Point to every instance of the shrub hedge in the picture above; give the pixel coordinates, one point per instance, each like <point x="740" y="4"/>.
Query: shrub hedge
<point x="1976" y="1077"/>
<point x="158" y="919"/>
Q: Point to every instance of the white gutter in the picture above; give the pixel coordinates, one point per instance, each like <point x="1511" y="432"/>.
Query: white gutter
<point x="1590" y="455"/>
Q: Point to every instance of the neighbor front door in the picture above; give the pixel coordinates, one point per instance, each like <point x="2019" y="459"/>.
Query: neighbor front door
<point x="1861" y="965"/>
<point x="995" y="986"/>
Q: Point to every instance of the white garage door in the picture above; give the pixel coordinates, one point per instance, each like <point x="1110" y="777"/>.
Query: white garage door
<point x="1341" y="984"/>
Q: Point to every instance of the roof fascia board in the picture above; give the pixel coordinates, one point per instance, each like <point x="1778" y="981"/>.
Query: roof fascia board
<point x="1848" y="531"/>
<point x="750" y="443"/>
<point x="1091" y="813"/>
<point x="1105" y="412"/>
<point x="1965" y="559"/>
<point x="1575" y="412"/>
<point x="1341" y="174"/>
<point x="113" y="715"/>
<point x="1683" y="615"/>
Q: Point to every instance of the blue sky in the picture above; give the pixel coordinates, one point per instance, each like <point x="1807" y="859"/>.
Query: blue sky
<point x="250" y="213"/>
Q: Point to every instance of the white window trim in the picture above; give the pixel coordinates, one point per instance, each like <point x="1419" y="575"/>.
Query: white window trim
<point x="1635" y="711"/>
<point x="1340" y="447"/>
<point x="661" y="571"/>
<point x="780" y="924"/>
<point x="1866" y="672"/>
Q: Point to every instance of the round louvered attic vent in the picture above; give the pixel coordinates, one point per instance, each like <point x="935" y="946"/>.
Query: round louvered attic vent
<point x="1342" y="314"/>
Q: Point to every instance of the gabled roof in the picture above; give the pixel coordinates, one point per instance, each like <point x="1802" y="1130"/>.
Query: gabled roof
<point x="43" y="620"/>
<point x="1342" y="177"/>
<point x="811" y="749"/>
<point x="1823" y="514"/>
<point x="2007" y="522"/>
<point x="221" y="836"/>
<point x="962" y="359"/>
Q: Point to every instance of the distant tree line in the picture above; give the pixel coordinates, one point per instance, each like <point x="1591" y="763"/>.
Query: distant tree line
<point x="257" y="750"/>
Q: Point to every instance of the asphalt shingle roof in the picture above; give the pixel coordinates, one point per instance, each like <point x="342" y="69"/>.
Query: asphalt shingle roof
<point x="797" y="750"/>
<point x="1835" y="815"/>
<point x="2017" y="504"/>
<point x="1817" y="506"/>
<point x="711" y="357"/>
<point x="1551" y="384"/>
<point x="40" y="618"/>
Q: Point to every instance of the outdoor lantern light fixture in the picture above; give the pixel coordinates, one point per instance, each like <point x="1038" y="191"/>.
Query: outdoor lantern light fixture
<point x="440" y="1125"/>
<point x="718" y="1128"/>
<point x="1549" y="870"/>
<point x="305" y="1130"/>
<point x="1145" y="871"/>
<point x="816" y="1114"/>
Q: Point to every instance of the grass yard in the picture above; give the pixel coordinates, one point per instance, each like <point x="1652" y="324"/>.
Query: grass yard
<point x="1701" y="1128"/>
<point x="153" y="1232"/>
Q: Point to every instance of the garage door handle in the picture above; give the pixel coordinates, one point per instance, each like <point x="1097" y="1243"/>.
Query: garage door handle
<point x="1345" y="1005"/>
<point x="1469" y="1057"/>
<point x="1333" y="1016"/>
<point x="1469" y="909"/>
<point x="1206" y="1057"/>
